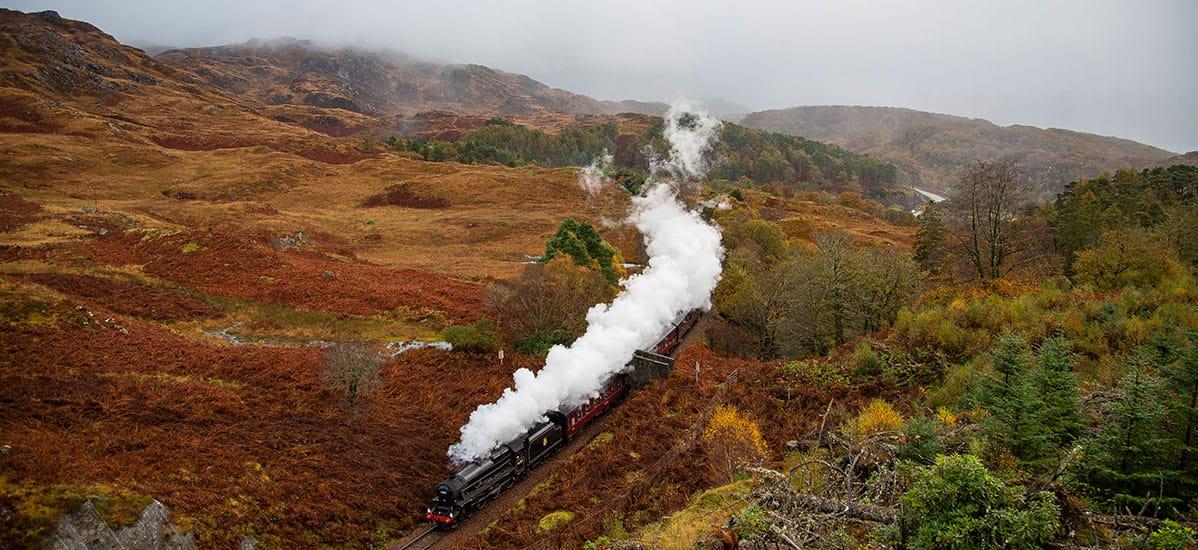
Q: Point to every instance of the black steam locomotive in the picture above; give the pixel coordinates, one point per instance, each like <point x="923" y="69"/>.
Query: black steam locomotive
<point x="468" y="490"/>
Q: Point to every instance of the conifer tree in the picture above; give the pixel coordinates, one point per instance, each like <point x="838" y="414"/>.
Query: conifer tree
<point x="584" y="246"/>
<point x="1013" y="403"/>
<point x="1032" y="402"/>
<point x="929" y="238"/>
<point x="1182" y="397"/>
<point x="1124" y="456"/>
<point x="1054" y="382"/>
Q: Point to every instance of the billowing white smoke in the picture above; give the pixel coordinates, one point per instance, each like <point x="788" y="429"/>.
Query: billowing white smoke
<point x="591" y="178"/>
<point x="684" y="267"/>
<point x="689" y="130"/>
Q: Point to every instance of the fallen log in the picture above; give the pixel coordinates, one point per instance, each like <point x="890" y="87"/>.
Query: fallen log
<point x="867" y="512"/>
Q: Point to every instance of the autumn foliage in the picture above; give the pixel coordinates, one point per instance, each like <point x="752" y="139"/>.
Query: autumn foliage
<point x="733" y="440"/>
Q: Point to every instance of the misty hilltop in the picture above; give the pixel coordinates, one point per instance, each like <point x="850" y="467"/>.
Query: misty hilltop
<point x="348" y="90"/>
<point x="294" y="86"/>
<point x="935" y="147"/>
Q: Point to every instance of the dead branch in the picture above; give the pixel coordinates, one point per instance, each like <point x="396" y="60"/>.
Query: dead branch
<point x="867" y="512"/>
<point x="787" y="497"/>
<point x="1120" y="521"/>
<point x="1043" y="482"/>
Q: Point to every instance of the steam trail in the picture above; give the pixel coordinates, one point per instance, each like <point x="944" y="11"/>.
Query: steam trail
<point x="591" y="178"/>
<point x="684" y="267"/>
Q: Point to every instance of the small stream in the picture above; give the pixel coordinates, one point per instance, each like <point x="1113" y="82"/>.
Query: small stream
<point x="394" y="349"/>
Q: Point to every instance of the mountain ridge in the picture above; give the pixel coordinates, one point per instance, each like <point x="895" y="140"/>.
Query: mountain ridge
<point x="302" y="81"/>
<point x="935" y="146"/>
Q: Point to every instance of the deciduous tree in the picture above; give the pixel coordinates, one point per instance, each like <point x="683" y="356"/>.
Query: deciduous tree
<point x="733" y="441"/>
<point x="1127" y="257"/>
<point x="987" y="200"/>
<point x="811" y="301"/>
<point x="353" y="367"/>
<point x="547" y="304"/>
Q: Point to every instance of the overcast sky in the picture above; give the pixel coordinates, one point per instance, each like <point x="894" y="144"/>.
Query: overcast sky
<point x="1122" y="68"/>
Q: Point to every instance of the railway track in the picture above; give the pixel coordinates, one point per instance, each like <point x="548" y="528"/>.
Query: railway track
<point x="426" y="536"/>
<point x="421" y="538"/>
<point x="650" y="362"/>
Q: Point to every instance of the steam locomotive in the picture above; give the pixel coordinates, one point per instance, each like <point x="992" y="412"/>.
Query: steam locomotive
<point x="476" y="484"/>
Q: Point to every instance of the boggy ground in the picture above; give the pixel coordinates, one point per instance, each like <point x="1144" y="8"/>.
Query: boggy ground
<point x="110" y="386"/>
<point x="228" y="266"/>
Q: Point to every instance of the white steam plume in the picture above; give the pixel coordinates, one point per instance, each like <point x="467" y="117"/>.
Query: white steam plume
<point x="689" y="130"/>
<point x="591" y="178"/>
<point x="683" y="269"/>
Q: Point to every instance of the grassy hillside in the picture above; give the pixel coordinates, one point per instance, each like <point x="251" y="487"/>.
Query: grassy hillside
<point x="180" y="265"/>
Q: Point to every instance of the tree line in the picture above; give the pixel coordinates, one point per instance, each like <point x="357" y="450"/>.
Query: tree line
<point x="1130" y="228"/>
<point x="743" y="156"/>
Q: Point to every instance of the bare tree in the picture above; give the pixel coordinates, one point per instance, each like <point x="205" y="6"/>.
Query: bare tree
<point x="982" y="212"/>
<point x="353" y="367"/>
<point x="547" y="304"/>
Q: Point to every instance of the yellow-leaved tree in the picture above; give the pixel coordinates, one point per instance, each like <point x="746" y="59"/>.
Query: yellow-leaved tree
<point x="875" y="427"/>
<point x="732" y="441"/>
<point x="876" y="418"/>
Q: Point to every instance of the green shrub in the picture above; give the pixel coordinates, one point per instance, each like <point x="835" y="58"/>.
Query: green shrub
<point x="921" y="441"/>
<point x="582" y="243"/>
<point x="553" y="520"/>
<point x="1172" y="536"/>
<point x="478" y="337"/>
<point x="957" y="503"/>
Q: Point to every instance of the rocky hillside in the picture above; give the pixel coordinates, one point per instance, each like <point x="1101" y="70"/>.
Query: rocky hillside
<point x="69" y="78"/>
<point x="342" y="91"/>
<point x="934" y="147"/>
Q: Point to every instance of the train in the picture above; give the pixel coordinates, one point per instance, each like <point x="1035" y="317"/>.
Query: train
<point x="472" y="487"/>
